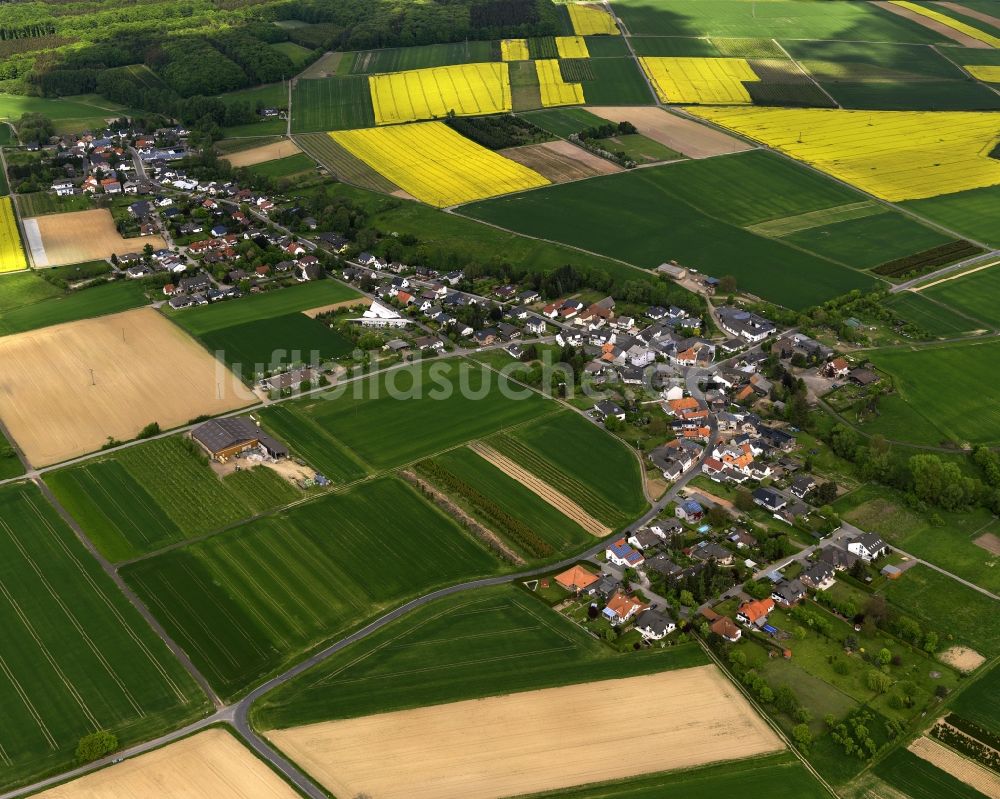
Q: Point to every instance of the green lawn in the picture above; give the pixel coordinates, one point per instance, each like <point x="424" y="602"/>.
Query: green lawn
<point x="973" y="213"/>
<point x="919" y="779"/>
<point x="267" y="305"/>
<point x="284" y="167"/>
<point x="940" y="393"/>
<point x="446" y="404"/>
<point x="976" y="294"/>
<point x="397" y="59"/>
<point x="701" y="208"/>
<point x="154" y="494"/>
<point x="255" y="599"/>
<point x="579" y="459"/>
<point x="492" y="641"/>
<point x="76" y="655"/>
<point x="336" y="103"/>
<point x="564" y="535"/>
<point x="963" y="615"/>
<point x="34" y="306"/>
<point x="935" y="318"/>
<point x="980" y="702"/>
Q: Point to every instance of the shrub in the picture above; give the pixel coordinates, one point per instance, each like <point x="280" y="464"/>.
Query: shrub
<point x="95" y="745"/>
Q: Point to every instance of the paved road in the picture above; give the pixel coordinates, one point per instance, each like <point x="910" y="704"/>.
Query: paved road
<point x="992" y="255"/>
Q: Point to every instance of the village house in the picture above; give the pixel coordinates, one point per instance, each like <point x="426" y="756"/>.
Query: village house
<point x="868" y="547"/>
<point x="381" y="315"/>
<point x="621" y="607"/>
<point x="788" y="593"/>
<point x="819" y="576"/>
<point x="228" y="437"/>
<point x="726" y="628"/>
<point x="690" y="511"/>
<point x="744" y="324"/>
<point x="576" y="579"/>
<point x="653" y="625"/>
<point x="802" y="486"/>
<point x="755" y="612"/>
<point x="608" y="409"/>
<point x="769" y="499"/>
<point x="644" y="539"/>
<point x="621" y="554"/>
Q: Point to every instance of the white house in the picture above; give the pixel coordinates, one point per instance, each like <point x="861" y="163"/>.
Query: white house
<point x="868" y="547"/>
<point x="379" y="315"/>
<point x="654" y="626"/>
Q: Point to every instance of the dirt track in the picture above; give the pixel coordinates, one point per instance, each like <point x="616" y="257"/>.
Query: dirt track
<point x="64" y="389"/>
<point x="80" y="236"/>
<point x="689" y="138"/>
<point x="258" y="155"/>
<point x="534" y="741"/>
<point x="209" y="765"/>
<point x="556" y="499"/>
<point x="962" y="769"/>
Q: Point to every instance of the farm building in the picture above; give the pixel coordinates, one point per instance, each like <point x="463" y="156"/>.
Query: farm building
<point x="674" y="271"/>
<point x="228" y="437"/>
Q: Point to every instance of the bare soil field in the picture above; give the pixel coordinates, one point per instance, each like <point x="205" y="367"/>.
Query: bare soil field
<point x="266" y="152"/>
<point x="209" y="765"/>
<point x="962" y="658"/>
<point x="561" y="161"/>
<point x="989" y="542"/>
<point x="683" y="135"/>
<point x="962" y="769"/>
<point x="80" y="236"/>
<point x="556" y="499"/>
<point x="965" y="11"/>
<point x="534" y="741"/>
<point x="65" y="389"/>
<point x="932" y="24"/>
<point x="312" y="313"/>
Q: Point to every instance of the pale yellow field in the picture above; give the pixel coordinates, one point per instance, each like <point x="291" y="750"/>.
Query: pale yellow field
<point x="514" y="50"/>
<point x="145" y="369"/>
<point x="699" y="80"/>
<point x="437" y="165"/>
<point x="209" y="765"/>
<point x="554" y="90"/>
<point x="466" y="89"/>
<point x="989" y="74"/>
<point x="591" y="21"/>
<point x="572" y="47"/>
<point x="258" y="155"/>
<point x="951" y="22"/>
<point x="961" y="768"/>
<point x="534" y="741"/>
<point x="895" y="155"/>
<point x="80" y="236"/>
<point x="11" y="253"/>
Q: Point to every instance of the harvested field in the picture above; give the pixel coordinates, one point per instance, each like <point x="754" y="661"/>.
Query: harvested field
<point x="962" y="769"/>
<point x="677" y="133"/>
<point x="60" y="239"/>
<point x="541" y="740"/>
<point x="209" y="765"/>
<point x="312" y="313"/>
<point x="343" y="165"/>
<point x="268" y="152"/>
<point x="561" y="161"/>
<point x="962" y="658"/>
<point x="937" y="26"/>
<point x="65" y="389"/>
<point x="556" y="499"/>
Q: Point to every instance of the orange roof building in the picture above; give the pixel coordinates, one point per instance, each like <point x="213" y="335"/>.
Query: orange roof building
<point x="755" y="611"/>
<point x="726" y="628"/>
<point x="576" y="579"/>
<point x="622" y="607"/>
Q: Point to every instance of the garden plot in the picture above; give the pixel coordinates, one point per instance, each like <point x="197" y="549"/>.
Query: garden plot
<point x="59" y="239"/>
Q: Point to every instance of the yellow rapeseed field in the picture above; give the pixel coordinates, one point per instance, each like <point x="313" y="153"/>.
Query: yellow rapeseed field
<point x="990" y="74"/>
<point x="514" y="50"/>
<point x="591" y="21"/>
<point x="437" y="165"/>
<point x="554" y="90"/>
<point x="572" y="47"/>
<point x="466" y="89"/>
<point x="895" y="155"/>
<point x="951" y="22"/>
<point x="11" y="252"/>
<point x="699" y="80"/>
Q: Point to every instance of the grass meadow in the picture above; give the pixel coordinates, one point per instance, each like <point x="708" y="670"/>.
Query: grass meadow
<point x="28" y="302"/>
<point x="284" y="167"/>
<point x="976" y="294"/>
<point x="564" y="121"/>
<point x="158" y="493"/>
<point x="76" y="656"/>
<point x="250" y="601"/>
<point x="918" y="779"/>
<point x="337" y="103"/>
<point x="980" y="702"/>
<point x="493" y="641"/>
<point x="933" y="317"/>
<point x="10" y="464"/>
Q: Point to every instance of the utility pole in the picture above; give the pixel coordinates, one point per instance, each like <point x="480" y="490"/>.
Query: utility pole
<point x="93" y="382"/>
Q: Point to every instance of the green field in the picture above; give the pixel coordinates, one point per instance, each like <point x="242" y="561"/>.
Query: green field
<point x="336" y="103"/>
<point x="939" y="393"/>
<point x="10" y="464"/>
<point x="701" y="208"/>
<point x="936" y="319"/>
<point x="343" y="165"/>
<point x="755" y="778"/>
<point x="284" y="167"/>
<point x="298" y="54"/>
<point x="252" y="348"/>
<point x="33" y="303"/>
<point x="547" y="522"/>
<point x="397" y="59"/>
<point x="267" y="305"/>
<point x="639" y="148"/>
<point x="918" y="779"/>
<point x="161" y="492"/>
<point x="39" y="203"/>
<point x="794" y="19"/>
<point x="608" y="81"/>
<point x="674" y="47"/>
<point x="564" y="121"/>
<point x="493" y="641"/>
<point x="253" y="600"/>
<point x="973" y="213"/>
<point x="271" y="95"/>
<point x="446" y="404"/>
<point x="980" y="702"/>
<point x="592" y="468"/>
<point x="976" y="294"/>
<point x="76" y="656"/>
<point x="964" y="614"/>
<point x="70" y="114"/>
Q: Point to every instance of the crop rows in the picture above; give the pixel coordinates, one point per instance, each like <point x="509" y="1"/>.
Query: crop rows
<point x="466" y="89"/>
<point x="11" y="252"/>
<point x="921" y="262"/>
<point x="341" y="164"/>
<point x="514" y="50"/>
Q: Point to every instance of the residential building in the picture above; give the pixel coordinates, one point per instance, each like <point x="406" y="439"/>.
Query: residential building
<point x="621" y="554"/>
<point x="654" y="626"/>
<point x="868" y="547"/>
